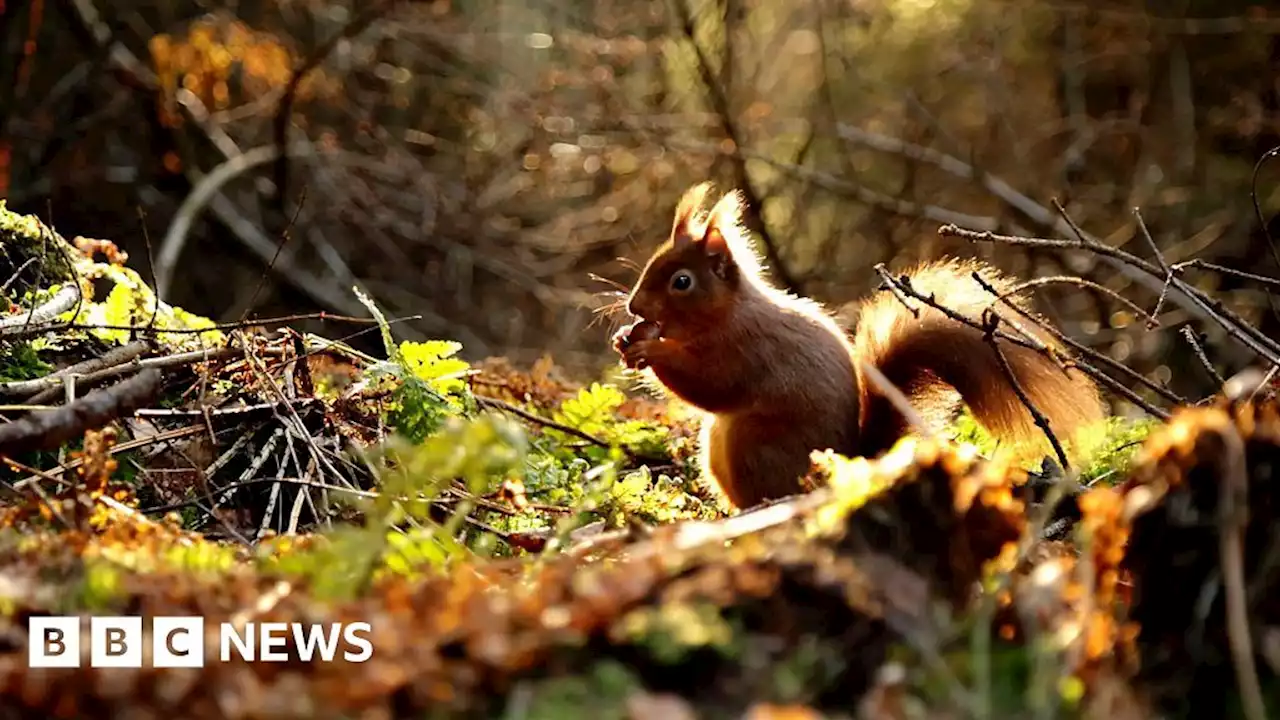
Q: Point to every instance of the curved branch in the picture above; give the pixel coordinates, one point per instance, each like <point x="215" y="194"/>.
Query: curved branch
<point x="1081" y="282"/>
<point x="205" y="190"/>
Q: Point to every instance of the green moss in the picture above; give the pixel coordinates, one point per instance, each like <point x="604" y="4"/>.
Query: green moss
<point x="600" y="693"/>
<point x="100" y="589"/>
<point x="132" y="303"/>
<point x="21" y="361"/>
<point x="1103" y="450"/>
<point x="813" y="663"/>
<point x="1107" y="450"/>
<point x="23" y="237"/>
<point x="671" y="631"/>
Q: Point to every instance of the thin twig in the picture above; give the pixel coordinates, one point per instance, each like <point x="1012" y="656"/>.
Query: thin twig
<point x="992" y="322"/>
<point x="39" y="491"/>
<point x="526" y="415"/>
<point x="1190" y="335"/>
<point x="1257" y="208"/>
<point x="892" y="286"/>
<point x="16" y="274"/>
<point x="64" y="250"/>
<point x="1265" y="382"/>
<point x="1095" y="356"/>
<point x="897" y="398"/>
<point x="151" y="263"/>
<point x="1081" y="282"/>
<point x="1031" y="342"/>
<point x="1212" y="308"/>
<point x="115" y="450"/>
<point x="290" y="419"/>
<point x="39" y="281"/>
<point x="284" y="240"/>
<point x="1020" y="202"/>
<point x="224" y="411"/>
<point x="1235" y="326"/>
<point x="1223" y="270"/>
<point x="1164" y="265"/>
<point x="902" y="289"/>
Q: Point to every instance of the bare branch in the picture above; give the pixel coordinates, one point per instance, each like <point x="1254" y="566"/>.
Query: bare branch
<point x="1198" y="349"/>
<point x="992" y="321"/>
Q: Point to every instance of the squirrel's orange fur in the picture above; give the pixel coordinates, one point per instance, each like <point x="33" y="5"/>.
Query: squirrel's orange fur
<point x="777" y="377"/>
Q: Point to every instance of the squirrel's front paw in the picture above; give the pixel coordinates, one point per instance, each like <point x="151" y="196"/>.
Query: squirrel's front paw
<point x="638" y="354"/>
<point x="636" y="332"/>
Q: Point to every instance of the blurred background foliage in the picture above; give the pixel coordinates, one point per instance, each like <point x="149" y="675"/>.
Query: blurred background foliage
<point x="479" y="162"/>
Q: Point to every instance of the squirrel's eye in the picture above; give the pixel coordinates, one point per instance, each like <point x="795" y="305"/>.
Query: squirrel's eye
<point x="682" y="281"/>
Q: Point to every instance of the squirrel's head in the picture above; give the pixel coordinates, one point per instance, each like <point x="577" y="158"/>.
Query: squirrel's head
<point x="692" y="280"/>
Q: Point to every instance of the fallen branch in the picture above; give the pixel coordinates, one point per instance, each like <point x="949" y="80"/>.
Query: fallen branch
<point x="111" y="358"/>
<point x="209" y="186"/>
<point x="38" y="319"/>
<point x="46" y="430"/>
<point x="55" y="381"/>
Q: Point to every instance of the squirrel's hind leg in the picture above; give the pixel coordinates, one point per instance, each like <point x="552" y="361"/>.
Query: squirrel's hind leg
<point x="749" y="461"/>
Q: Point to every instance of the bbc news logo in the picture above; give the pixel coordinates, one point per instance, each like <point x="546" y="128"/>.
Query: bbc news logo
<point x="176" y="642"/>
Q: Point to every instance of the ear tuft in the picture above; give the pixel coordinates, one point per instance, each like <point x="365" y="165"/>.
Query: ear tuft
<point x="728" y="211"/>
<point x="690" y="220"/>
<point x="723" y="222"/>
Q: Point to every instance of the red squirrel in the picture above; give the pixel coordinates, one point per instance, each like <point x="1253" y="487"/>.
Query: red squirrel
<point x="776" y="377"/>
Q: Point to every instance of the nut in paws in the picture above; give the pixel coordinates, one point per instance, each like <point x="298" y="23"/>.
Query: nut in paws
<point x="636" y="332"/>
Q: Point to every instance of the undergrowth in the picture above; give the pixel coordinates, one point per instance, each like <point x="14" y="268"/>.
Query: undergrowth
<point x="458" y="477"/>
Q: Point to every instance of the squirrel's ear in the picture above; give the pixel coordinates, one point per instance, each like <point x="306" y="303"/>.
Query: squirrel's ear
<point x="716" y="248"/>
<point x="688" y="221"/>
<point x="723" y="221"/>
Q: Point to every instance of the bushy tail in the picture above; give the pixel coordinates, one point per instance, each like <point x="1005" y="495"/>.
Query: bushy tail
<point x="932" y="357"/>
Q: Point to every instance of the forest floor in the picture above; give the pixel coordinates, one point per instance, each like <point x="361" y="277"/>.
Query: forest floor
<point x="525" y="546"/>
